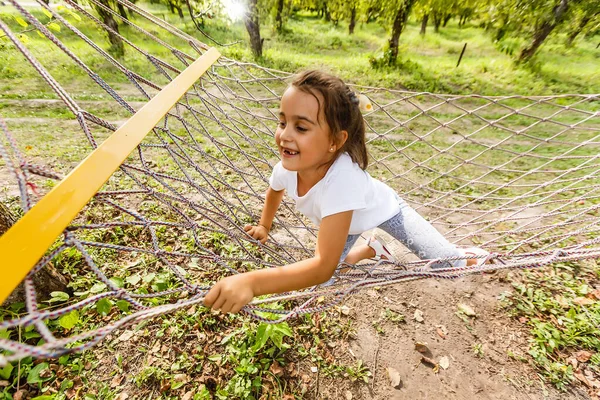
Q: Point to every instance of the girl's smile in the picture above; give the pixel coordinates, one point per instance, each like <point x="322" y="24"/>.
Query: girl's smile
<point x="302" y="135"/>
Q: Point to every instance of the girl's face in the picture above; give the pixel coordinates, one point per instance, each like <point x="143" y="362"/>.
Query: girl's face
<point x="303" y="134"/>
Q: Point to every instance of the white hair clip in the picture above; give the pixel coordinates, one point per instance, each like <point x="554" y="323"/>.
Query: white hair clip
<point x="364" y="103"/>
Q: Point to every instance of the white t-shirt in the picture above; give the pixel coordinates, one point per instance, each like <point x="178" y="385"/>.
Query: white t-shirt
<point x="344" y="187"/>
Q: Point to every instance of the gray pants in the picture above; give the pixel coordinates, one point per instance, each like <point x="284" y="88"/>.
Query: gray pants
<point x="418" y="235"/>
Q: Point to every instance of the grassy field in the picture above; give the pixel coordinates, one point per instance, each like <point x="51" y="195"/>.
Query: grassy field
<point x="244" y="357"/>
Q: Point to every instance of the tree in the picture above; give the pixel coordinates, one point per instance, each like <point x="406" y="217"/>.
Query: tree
<point x="116" y="48"/>
<point x="399" y="11"/>
<point x="279" y="16"/>
<point x="547" y="25"/>
<point x="252" y="22"/>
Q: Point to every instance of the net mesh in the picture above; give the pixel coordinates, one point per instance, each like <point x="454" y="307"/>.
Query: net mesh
<point x="517" y="175"/>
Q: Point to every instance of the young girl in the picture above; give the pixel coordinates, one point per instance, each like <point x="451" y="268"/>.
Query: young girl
<point x="321" y="141"/>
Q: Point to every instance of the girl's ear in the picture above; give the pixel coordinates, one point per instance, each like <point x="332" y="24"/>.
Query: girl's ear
<point x="342" y="136"/>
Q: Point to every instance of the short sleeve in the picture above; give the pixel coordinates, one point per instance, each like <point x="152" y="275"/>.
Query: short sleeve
<point x="345" y="191"/>
<point x="277" y="179"/>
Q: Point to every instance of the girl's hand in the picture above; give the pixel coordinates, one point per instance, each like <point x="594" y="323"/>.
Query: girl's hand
<point x="258" y="232"/>
<point x="230" y="294"/>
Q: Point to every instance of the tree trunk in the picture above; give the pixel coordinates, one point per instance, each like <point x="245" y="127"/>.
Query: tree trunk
<point x="584" y="21"/>
<point x="179" y="11"/>
<point x="446" y="19"/>
<point x="424" y="24"/>
<point x="46" y="281"/>
<point x="278" y="17"/>
<point x="542" y="33"/>
<point x="397" y="28"/>
<point x="253" y="28"/>
<point x="352" y="20"/>
<point x="116" y="43"/>
<point x="437" y="21"/>
<point x="122" y="11"/>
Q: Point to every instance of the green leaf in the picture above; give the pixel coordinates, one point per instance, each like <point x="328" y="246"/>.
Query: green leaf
<point x="148" y="278"/>
<point x="58" y="296"/>
<point x="123" y="305"/>
<point x="182" y="271"/>
<point x="75" y="15"/>
<point x="133" y="279"/>
<point x="34" y="374"/>
<point x="215" y="358"/>
<point x="103" y="307"/>
<point x="47" y="13"/>
<point x="98" y="288"/>
<point x="4" y="334"/>
<point x="45" y="397"/>
<point x="69" y="320"/>
<point x="117" y="281"/>
<point x="21" y="22"/>
<point x="5" y="372"/>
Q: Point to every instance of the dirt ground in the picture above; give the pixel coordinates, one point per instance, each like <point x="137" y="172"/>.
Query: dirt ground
<point x="477" y="349"/>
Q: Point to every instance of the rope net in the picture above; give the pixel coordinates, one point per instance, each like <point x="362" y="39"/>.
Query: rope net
<point x="516" y="175"/>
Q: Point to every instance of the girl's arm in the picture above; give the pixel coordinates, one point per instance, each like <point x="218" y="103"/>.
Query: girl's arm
<point x="272" y="201"/>
<point x="234" y="292"/>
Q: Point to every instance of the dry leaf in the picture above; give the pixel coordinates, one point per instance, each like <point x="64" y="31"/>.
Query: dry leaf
<point x="394" y="376"/>
<point x="188" y="395"/>
<point x="596" y="294"/>
<point x="440" y="333"/>
<point x="181" y="378"/>
<point x="421" y="347"/>
<point x="288" y="397"/>
<point x="419" y="316"/>
<point x="429" y="362"/>
<point x="523" y="320"/>
<point x="314" y="370"/>
<point x="116" y="381"/>
<point x="581" y="377"/>
<point x="583" y="301"/>
<point x="345" y="310"/>
<point x="4" y="383"/>
<point x="276" y="369"/>
<point x="348" y="395"/>
<point x="127" y="335"/>
<point x="583" y="356"/>
<point x="122" y="396"/>
<point x="18" y="395"/>
<point x="467" y="310"/>
<point x="444" y="362"/>
<point x="165" y="385"/>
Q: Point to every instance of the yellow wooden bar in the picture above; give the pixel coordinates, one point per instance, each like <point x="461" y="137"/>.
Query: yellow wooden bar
<point x="25" y="243"/>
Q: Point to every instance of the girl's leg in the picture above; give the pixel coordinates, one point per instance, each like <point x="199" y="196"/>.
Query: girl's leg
<point x="413" y="231"/>
<point x="359" y="253"/>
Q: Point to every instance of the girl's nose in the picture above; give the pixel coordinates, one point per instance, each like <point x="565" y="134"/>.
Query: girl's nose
<point x="285" y="134"/>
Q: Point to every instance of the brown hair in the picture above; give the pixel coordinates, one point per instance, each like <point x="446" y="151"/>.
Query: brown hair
<point x="340" y="107"/>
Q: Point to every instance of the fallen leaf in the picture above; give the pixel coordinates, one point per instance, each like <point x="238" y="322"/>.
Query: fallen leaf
<point x="429" y="362"/>
<point x="314" y="370"/>
<point x="276" y="369"/>
<point x="122" y="396"/>
<point x="467" y="310"/>
<point x="583" y="301"/>
<point x="165" y="385"/>
<point x="596" y="294"/>
<point x="116" y="381"/>
<point x="419" y="316"/>
<point x="181" y="378"/>
<point x="394" y="376"/>
<point x="562" y="301"/>
<point x="581" y="377"/>
<point x="444" y="362"/>
<point x="4" y="383"/>
<point x="422" y="347"/>
<point x="288" y="397"/>
<point x="523" y="320"/>
<point x="345" y="310"/>
<point x="440" y="333"/>
<point x="583" y="356"/>
<point x="348" y="395"/>
<point x="18" y="395"/>
<point x="188" y="395"/>
<point x="127" y="335"/>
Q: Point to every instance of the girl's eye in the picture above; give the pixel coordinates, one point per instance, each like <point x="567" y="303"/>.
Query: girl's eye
<point x="301" y="129"/>
<point x="281" y="125"/>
